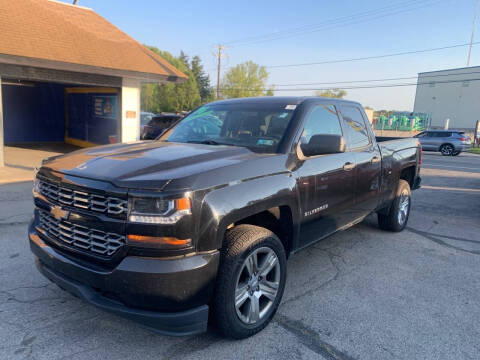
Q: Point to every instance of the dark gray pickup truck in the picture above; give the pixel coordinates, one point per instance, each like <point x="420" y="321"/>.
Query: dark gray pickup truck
<point x="202" y="220"/>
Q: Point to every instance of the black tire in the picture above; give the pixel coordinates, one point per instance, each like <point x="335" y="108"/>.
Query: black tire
<point x="456" y="153"/>
<point x="392" y="220"/>
<point x="447" y="150"/>
<point x="240" y="243"/>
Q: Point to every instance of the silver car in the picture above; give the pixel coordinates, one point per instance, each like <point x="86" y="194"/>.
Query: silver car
<point x="448" y="142"/>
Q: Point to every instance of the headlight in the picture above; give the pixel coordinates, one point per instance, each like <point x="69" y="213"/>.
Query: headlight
<point x="158" y="211"/>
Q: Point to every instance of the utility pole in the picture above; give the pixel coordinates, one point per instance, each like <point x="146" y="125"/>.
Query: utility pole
<point x="473" y="32"/>
<point x="219" y="63"/>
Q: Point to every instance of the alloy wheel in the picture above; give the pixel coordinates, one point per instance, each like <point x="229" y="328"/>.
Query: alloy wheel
<point x="447" y="150"/>
<point x="403" y="207"/>
<point x="257" y="285"/>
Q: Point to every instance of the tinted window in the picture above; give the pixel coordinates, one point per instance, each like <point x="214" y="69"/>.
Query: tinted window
<point x="355" y="130"/>
<point x="162" y="122"/>
<point x="145" y="118"/>
<point x="423" y="134"/>
<point x="322" y="119"/>
<point x="441" y="134"/>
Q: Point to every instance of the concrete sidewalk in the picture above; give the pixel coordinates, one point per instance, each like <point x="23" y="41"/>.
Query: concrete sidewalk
<point x="21" y="160"/>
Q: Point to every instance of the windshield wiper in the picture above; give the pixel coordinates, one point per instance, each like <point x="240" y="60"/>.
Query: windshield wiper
<point x="206" y="142"/>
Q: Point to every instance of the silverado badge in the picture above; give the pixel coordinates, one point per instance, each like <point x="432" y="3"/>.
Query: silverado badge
<point x="59" y="213"/>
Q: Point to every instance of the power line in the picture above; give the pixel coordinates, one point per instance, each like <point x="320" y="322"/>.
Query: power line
<point x="371" y="57"/>
<point x="356" y="18"/>
<point x="373" y="86"/>
<point x="375" y="80"/>
<point x="346" y="82"/>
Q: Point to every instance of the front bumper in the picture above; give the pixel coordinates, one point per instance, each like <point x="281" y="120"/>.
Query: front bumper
<point x="168" y="296"/>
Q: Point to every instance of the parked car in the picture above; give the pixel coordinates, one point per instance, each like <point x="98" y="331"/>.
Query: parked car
<point x="204" y="219"/>
<point x="448" y="142"/>
<point x="157" y="125"/>
<point x="145" y="117"/>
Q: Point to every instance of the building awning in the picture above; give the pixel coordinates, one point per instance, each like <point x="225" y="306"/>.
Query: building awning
<point x="56" y="35"/>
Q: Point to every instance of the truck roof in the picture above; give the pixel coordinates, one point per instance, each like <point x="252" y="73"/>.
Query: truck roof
<point x="293" y="100"/>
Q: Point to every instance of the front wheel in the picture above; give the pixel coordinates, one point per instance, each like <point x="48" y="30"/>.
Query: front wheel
<point x="250" y="281"/>
<point x="397" y="217"/>
<point x="455" y="153"/>
<point x="447" y="150"/>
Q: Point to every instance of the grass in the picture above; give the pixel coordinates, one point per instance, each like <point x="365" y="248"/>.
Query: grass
<point x="474" y="150"/>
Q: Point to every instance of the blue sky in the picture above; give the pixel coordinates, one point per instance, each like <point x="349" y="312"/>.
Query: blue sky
<point x="196" y="26"/>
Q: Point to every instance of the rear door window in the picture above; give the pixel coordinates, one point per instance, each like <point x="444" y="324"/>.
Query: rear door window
<point x="355" y="130"/>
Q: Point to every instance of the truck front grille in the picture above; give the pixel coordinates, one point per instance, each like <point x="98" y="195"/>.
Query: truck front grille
<point x="83" y="199"/>
<point x="80" y="237"/>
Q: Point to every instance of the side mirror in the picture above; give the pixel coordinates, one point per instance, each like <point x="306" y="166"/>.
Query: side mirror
<point x="323" y="144"/>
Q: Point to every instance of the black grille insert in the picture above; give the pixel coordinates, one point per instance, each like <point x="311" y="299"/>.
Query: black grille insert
<point x="81" y="237"/>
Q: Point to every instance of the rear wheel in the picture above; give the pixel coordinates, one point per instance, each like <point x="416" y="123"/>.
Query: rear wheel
<point x="397" y="217"/>
<point x="250" y="281"/>
<point x="455" y="153"/>
<point x="447" y="150"/>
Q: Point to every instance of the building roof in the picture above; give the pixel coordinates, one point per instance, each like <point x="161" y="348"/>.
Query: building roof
<point x="454" y="69"/>
<point x="59" y="33"/>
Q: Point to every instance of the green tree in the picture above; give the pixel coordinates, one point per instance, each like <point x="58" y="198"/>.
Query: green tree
<point x="270" y="92"/>
<point x="203" y="81"/>
<point x="184" y="59"/>
<point x="332" y="93"/>
<point x="244" y="80"/>
<point x="171" y="97"/>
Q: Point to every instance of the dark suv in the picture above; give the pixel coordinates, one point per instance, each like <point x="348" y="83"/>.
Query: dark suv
<point x="157" y="125"/>
<point x="448" y="142"/>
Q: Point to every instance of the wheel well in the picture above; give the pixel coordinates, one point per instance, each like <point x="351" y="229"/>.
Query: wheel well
<point x="408" y="174"/>
<point x="278" y="220"/>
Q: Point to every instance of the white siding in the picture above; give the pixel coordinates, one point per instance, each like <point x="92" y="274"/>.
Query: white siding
<point x="130" y="106"/>
<point x="452" y="94"/>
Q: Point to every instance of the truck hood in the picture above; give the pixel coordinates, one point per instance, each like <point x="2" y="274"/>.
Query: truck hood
<point x="149" y="165"/>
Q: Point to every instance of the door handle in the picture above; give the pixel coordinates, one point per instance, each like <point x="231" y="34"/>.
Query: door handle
<point x="348" y="166"/>
<point x="375" y="159"/>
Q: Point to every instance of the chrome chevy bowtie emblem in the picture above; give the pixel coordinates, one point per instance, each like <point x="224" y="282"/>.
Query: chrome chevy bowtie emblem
<point x="59" y="213"/>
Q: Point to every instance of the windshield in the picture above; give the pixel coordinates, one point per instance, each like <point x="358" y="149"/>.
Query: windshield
<point x="259" y="127"/>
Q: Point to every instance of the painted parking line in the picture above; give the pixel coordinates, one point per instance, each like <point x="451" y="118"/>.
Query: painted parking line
<point x="450" y="167"/>
<point x="446" y="188"/>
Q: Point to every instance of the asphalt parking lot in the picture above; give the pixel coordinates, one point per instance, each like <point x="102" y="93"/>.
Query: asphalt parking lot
<point x="360" y="294"/>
